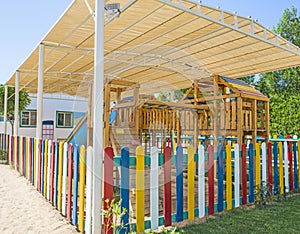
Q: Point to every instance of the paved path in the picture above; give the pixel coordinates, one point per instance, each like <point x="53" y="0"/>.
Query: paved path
<point x="24" y="210"/>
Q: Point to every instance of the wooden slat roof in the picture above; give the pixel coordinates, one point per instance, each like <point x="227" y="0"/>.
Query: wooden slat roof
<point x="161" y="44"/>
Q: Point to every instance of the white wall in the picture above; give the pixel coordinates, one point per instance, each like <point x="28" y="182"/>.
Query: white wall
<point x="50" y="107"/>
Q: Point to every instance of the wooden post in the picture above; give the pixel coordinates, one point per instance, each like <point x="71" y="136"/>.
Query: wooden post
<point x="240" y="120"/>
<point x="196" y="130"/>
<point x="135" y="113"/>
<point x="267" y="119"/>
<point x="254" y="121"/>
<point x="215" y="114"/>
<point x="90" y="116"/>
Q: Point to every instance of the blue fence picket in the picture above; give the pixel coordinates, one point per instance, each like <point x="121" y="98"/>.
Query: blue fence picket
<point x="124" y="188"/>
<point x="251" y="173"/>
<point x="179" y="183"/>
<point x="296" y="182"/>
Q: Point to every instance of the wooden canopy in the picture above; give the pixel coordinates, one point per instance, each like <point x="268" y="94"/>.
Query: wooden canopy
<point x="161" y="44"/>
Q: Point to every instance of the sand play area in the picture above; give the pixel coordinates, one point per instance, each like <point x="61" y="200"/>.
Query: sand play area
<point x="24" y="210"/>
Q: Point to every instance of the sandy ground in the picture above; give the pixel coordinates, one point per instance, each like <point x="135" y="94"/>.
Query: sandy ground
<point x="24" y="210"/>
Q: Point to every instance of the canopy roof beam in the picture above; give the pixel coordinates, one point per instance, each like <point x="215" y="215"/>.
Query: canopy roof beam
<point x="180" y="6"/>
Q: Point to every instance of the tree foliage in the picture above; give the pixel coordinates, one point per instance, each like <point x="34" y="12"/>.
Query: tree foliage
<point x="24" y="100"/>
<point x="283" y="87"/>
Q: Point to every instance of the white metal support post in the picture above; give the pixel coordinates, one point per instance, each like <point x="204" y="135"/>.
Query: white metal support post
<point x="98" y="117"/>
<point x="5" y="108"/>
<point x="39" y="119"/>
<point x="16" y="115"/>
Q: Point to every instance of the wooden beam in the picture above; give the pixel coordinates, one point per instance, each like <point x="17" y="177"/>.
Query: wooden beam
<point x="121" y="82"/>
<point x="254" y="120"/>
<point x="267" y="104"/>
<point x="235" y="90"/>
<point x="259" y="98"/>
<point x="211" y="98"/>
<point x="187" y="92"/>
<point x="215" y="114"/>
<point x="240" y="120"/>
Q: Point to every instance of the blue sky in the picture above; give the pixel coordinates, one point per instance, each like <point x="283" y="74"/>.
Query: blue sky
<point x="24" y="23"/>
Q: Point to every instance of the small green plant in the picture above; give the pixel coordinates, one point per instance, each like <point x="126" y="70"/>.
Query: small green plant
<point x="113" y="213"/>
<point x="263" y="194"/>
<point x="3" y="156"/>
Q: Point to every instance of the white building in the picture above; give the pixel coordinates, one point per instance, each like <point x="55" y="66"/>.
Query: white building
<point x="59" y="117"/>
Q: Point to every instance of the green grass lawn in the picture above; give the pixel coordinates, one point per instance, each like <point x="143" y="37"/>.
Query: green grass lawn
<point x="280" y="217"/>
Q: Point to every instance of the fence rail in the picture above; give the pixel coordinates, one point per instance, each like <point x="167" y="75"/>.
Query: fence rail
<point x="156" y="189"/>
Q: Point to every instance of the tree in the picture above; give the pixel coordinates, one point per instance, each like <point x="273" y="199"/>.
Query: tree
<point x="283" y="87"/>
<point x="24" y="101"/>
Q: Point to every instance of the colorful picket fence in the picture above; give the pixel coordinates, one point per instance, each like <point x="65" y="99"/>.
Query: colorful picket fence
<point x="211" y="179"/>
<point x="58" y="171"/>
<point x="174" y="187"/>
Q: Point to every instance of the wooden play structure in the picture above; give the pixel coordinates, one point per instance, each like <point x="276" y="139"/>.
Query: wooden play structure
<point x="215" y="107"/>
<point x="212" y="108"/>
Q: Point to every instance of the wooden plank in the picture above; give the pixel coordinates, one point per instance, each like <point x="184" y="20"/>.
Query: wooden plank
<point x="258" y="98"/>
<point x="215" y="114"/>
<point x="228" y="114"/>
<point x="218" y="97"/>
<point x="247" y="104"/>
<point x="239" y="121"/>
<point x="246" y="123"/>
<point x="233" y="115"/>
<point x="254" y="121"/>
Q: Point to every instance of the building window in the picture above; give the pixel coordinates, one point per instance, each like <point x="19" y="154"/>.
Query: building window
<point x="28" y="118"/>
<point x="64" y="119"/>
